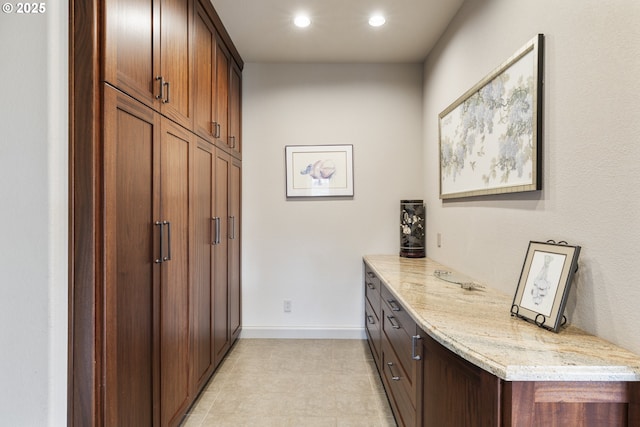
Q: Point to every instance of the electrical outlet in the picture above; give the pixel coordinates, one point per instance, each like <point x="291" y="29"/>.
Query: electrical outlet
<point x="287" y="306"/>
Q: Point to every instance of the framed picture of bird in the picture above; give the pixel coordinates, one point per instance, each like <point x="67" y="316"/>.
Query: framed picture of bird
<point x="319" y="170"/>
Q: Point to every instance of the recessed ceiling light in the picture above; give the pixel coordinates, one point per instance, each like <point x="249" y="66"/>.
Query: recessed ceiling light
<point x="302" y="21"/>
<point x="377" y="20"/>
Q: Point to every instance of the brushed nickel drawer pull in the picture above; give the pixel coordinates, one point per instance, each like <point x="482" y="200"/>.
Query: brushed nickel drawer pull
<point x="371" y="286"/>
<point x="371" y="319"/>
<point x="393" y="324"/>
<point x="393" y="376"/>
<point x="394" y="305"/>
<point x="414" y="339"/>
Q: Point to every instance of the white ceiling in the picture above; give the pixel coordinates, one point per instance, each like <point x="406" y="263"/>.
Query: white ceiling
<point x="263" y="31"/>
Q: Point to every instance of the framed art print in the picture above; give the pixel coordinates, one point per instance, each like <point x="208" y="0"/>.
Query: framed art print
<point x="544" y="283"/>
<point x="319" y="170"/>
<point x="490" y="137"/>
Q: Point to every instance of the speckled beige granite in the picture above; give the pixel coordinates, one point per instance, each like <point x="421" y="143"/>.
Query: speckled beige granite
<point x="477" y="325"/>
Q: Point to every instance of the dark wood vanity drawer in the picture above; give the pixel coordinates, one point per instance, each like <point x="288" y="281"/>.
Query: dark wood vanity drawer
<point x="372" y="289"/>
<point x="398" y="327"/>
<point x="399" y="387"/>
<point x="372" y="326"/>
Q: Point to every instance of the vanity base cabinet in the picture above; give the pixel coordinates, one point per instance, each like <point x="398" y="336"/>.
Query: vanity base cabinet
<point x="456" y="392"/>
<point x="429" y="385"/>
<point x="576" y="404"/>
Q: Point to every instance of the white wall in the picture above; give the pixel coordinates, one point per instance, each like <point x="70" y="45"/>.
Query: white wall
<point x="591" y="153"/>
<point x="34" y="216"/>
<point x="310" y="251"/>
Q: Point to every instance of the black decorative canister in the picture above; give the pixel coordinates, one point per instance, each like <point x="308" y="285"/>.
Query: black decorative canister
<point x="412" y="229"/>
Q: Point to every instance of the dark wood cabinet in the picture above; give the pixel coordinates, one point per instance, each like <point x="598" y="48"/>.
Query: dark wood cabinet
<point x="456" y="392"/>
<point x="235" y="96"/>
<point x="154" y="291"/>
<point x="235" y="209"/>
<point x="203" y="273"/>
<point x="393" y="341"/>
<point x="148" y="54"/>
<point x="205" y="40"/>
<point x="372" y="314"/>
<point x="221" y="100"/>
<point x="430" y="385"/>
<point x="146" y="290"/>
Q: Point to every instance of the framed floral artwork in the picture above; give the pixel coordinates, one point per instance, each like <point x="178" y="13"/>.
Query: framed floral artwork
<point x="490" y="137"/>
<point x="544" y="283"/>
<point x="319" y="170"/>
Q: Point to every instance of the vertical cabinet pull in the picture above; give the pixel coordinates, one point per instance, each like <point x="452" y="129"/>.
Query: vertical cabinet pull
<point x="216" y="238"/>
<point x="232" y="223"/>
<point x="414" y="340"/>
<point x="164" y="258"/>
<point x="161" y="225"/>
<point x="161" y="95"/>
<point x="166" y="100"/>
<point x="394" y="377"/>
<point x="168" y="257"/>
<point x="232" y="139"/>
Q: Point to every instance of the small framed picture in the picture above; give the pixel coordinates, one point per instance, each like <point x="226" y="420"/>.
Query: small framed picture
<point x="319" y="170"/>
<point x="544" y="284"/>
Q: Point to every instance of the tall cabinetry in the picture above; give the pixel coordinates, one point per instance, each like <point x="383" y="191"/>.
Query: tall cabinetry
<point x="155" y="283"/>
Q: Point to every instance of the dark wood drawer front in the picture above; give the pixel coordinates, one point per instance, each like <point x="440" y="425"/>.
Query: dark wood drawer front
<point x="372" y="289"/>
<point x="372" y="326"/>
<point x="399" y="387"/>
<point x="398" y="328"/>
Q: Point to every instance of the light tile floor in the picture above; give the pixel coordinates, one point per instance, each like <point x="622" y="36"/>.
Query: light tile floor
<point x="294" y="383"/>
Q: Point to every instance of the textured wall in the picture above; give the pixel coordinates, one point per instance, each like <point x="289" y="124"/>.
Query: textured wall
<point x="591" y="171"/>
<point x="310" y="251"/>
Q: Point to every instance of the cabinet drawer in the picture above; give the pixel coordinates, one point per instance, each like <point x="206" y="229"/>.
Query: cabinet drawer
<point x="372" y="326"/>
<point x="398" y="327"/>
<point x="399" y="387"/>
<point x="372" y="289"/>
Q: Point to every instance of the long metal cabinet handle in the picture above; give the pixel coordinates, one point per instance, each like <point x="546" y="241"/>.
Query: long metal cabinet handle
<point x="414" y="340"/>
<point x="394" y="325"/>
<point x="233" y="138"/>
<point x="216" y="239"/>
<point x="168" y="257"/>
<point x="394" y="377"/>
<point x="232" y="220"/>
<point x="161" y="95"/>
<point x="166" y="101"/>
<point x="161" y="225"/>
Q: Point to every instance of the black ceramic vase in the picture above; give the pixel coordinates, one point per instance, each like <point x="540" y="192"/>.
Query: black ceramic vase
<point x="412" y="229"/>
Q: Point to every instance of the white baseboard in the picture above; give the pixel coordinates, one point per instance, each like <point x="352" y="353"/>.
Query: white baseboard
<point x="302" y="333"/>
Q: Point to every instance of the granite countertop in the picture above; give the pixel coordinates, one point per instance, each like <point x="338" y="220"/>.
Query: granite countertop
<point x="476" y="324"/>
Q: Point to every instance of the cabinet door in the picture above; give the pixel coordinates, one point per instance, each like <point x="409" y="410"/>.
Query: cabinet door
<point x="235" y="173"/>
<point x="222" y="93"/>
<point x="456" y="392"/>
<point x="235" y="96"/>
<point x="204" y="74"/>
<point x="132" y="48"/>
<point x="174" y="298"/>
<point x="176" y="66"/>
<point x="131" y="191"/>
<point x="203" y="273"/>
<point x="221" y="251"/>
